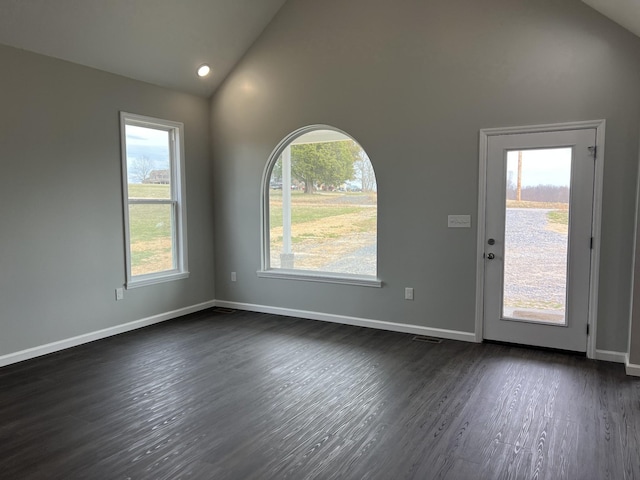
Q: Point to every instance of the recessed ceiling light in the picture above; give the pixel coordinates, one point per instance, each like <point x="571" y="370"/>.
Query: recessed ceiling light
<point x="203" y="70"/>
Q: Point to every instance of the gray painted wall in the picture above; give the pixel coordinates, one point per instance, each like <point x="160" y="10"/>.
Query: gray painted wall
<point x="634" y="327"/>
<point x="414" y="82"/>
<point x="61" y="231"/>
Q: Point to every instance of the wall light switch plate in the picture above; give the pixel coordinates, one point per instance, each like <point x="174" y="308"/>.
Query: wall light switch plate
<point x="233" y="276"/>
<point x="459" y="221"/>
<point x="120" y="293"/>
<point x="408" y="293"/>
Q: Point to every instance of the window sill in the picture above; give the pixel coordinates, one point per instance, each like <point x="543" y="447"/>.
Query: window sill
<point x="146" y="280"/>
<point x="322" y="277"/>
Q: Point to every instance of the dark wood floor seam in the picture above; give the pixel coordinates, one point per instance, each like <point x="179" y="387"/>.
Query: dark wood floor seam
<point x="242" y="395"/>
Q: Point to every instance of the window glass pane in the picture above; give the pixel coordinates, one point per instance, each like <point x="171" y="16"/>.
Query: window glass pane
<point x="148" y="162"/>
<point x="536" y="235"/>
<point x="151" y="235"/>
<point x="323" y="206"/>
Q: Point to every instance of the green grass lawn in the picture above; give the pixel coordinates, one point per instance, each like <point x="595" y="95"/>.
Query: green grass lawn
<point x="308" y="213"/>
<point x="150" y="229"/>
<point x="298" y="197"/>
<point x="529" y="204"/>
<point x="149" y="222"/>
<point x="323" y="216"/>
<point x="319" y="205"/>
<point x="144" y="190"/>
<point x="560" y="217"/>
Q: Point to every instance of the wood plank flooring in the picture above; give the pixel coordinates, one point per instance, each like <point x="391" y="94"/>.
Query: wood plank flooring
<point x="243" y="395"/>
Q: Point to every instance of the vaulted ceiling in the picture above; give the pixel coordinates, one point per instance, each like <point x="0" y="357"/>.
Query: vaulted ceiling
<point x="624" y="12"/>
<point x="164" y="41"/>
<point x="156" y="41"/>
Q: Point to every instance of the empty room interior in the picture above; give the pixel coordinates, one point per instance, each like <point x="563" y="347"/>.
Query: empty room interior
<point x="269" y="239"/>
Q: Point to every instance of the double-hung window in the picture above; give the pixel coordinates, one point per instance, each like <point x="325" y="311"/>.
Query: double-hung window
<point x="154" y="204"/>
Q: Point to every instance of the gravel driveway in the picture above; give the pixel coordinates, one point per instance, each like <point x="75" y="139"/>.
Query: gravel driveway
<point x="535" y="261"/>
<point x="360" y="262"/>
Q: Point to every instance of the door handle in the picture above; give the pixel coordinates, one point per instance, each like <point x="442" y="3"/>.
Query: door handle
<point x="490" y="256"/>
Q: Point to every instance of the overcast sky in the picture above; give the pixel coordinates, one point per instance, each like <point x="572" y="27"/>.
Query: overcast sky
<point x="542" y="167"/>
<point x="150" y="143"/>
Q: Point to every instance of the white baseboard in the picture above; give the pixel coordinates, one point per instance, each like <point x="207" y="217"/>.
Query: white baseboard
<point x="609" y="356"/>
<point x="97" y="335"/>
<point x="631" y="368"/>
<point x="356" y="321"/>
<point x="15" y="357"/>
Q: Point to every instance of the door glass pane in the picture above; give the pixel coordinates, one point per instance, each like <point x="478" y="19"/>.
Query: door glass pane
<point x="536" y="235"/>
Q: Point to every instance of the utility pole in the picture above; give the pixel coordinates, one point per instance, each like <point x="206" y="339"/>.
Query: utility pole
<point x="519" y="185"/>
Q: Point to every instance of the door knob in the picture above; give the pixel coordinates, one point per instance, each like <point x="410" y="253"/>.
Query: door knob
<point x="491" y="256"/>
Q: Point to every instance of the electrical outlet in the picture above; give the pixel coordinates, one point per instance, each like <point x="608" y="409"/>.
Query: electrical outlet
<point x="233" y="276"/>
<point x="120" y="293"/>
<point x="408" y="293"/>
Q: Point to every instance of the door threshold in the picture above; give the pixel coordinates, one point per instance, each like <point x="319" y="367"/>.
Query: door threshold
<point x="536" y="347"/>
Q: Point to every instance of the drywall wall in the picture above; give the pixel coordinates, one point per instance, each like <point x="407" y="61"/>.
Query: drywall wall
<point x="634" y="331"/>
<point x="414" y="82"/>
<point x="61" y="234"/>
<point x="634" y="326"/>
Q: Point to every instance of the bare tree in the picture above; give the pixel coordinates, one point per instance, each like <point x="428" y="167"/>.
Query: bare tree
<point x="365" y="173"/>
<point x="142" y="168"/>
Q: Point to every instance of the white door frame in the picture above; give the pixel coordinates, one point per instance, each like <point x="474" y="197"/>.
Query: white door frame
<point x="485" y="133"/>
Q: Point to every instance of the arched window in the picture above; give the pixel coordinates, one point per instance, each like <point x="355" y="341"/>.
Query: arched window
<point x="320" y="209"/>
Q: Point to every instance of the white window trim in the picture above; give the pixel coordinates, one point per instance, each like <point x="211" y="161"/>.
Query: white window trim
<point x="303" y="275"/>
<point x="322" y="277"/>
<point x="178" y="199"/>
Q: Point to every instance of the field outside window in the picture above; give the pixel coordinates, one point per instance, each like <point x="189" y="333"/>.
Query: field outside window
<point x="322" y="199"/>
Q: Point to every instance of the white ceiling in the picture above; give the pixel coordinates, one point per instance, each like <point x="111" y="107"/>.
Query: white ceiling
<point x="624" y="12"/>
<point x="163" y="41"/>
<point x="156" y="41"/>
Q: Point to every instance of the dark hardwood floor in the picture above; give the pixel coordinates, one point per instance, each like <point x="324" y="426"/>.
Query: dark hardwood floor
<point x="252" y="396"/>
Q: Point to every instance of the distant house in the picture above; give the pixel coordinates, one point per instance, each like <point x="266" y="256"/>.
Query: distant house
<point x="158" y="176"/>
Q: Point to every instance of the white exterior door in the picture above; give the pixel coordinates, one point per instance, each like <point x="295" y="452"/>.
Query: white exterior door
<point x="538" y="237"/>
